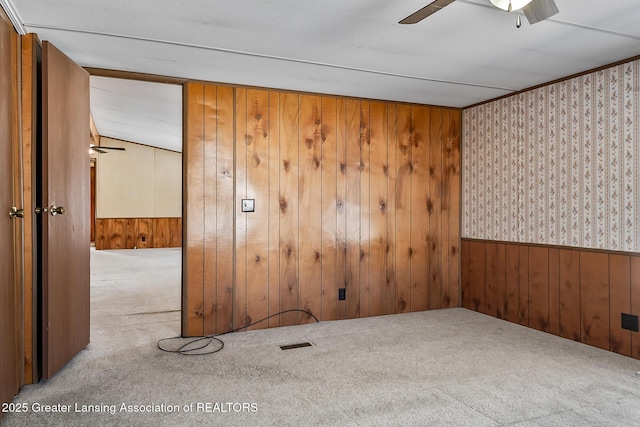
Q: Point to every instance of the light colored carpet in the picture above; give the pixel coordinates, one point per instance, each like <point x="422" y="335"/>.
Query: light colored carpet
<point x="444" y="367"/>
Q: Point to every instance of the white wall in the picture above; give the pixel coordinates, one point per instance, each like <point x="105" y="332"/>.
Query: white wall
<point x="141" y="182"/>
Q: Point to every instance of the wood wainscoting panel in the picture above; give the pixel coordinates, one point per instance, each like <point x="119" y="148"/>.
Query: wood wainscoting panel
<point x="594" y="298"/>
<point x="477" y="276"/>
<point x="491" y="279"/>
<point x="523" y="278"/>
<point x="554" y="291"/>
<point x="539" y="288"/>
<point x="465" y="282"/>
<point x="128" y="233"/>
<point x="578" y="294"/>
<point x="635" y="304"/>
<point x="570" y="294"/>
<point x="620" y="302"/>
<point x="512" y="283"/>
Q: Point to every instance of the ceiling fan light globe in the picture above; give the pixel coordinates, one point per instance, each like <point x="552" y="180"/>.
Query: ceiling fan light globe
<point x="515" y="4"/>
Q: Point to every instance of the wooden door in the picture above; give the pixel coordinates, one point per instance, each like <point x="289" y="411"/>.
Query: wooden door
<point x="9" y="339"/>
<point x="65" y="184"/>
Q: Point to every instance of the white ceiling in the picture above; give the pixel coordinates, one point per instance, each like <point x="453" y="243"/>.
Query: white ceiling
<point x="466" y="53"/>
<point x="142" y="112"/>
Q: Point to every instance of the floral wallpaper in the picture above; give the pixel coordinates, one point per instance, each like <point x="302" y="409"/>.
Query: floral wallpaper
<point x="557" y="165"/>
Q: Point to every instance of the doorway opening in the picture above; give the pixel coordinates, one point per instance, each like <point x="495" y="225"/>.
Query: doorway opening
<point x="136" y="254"/>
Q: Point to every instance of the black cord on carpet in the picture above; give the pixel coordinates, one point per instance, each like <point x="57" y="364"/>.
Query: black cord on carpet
<point x="193" y="345"/>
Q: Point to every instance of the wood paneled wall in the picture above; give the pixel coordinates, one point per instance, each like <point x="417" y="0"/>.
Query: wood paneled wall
<point x="577" y="294"/>
<point x="130" y="233"/>
<point x="349" y="193"/>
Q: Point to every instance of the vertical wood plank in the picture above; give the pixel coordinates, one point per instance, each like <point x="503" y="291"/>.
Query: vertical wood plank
<point x="492" y="279"/>
<point x="539" y="288"/>
<point x="193" y="200"/>
<point x="274" y="207"/>
<point x="477" y="276"/>
<point x="224" y="208"/>
<point x="512" y="283"/>
<point x="501" y="284"/>
<point x="258" y="222"/>
<point x="352" y="282"/>
<point x="145" y="233"/>
<point x="161" y="232"/>
<point x="102" y="234"/>
<point x="130" y="232"/>
<point x="445" y="195"/>
<point x="210" y="264"/>
<point x="436" y="240"/>
<point x="116" y="229"/>
<point x="289" y="288"/>
<point x="570" y="294"/>
<point x="620" y="302"/>
<point x="523" y="278"/>
<point x="364" y="293"/>
<point x="330" y="282"/>
<point x="309" y="190"/>
<point x="341" y="202"/>
<point x="175" y="226"/>
<point x="465" y="277"/>
<point x="240" y="315"/>
<point x="594" y="299"/>
<point x="635" y="303"/>
<point x="421" y="209"/>
<point x="392" y="168"/>
<point x="454" y="208"/>
<point x="378" y="207"/>
<point x="403" y="209"/>
<point x="554" y="291"/>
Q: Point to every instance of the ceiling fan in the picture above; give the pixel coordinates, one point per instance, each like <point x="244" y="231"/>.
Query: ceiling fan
<point x="534" y="10"/>
<point x="100" y="149"/>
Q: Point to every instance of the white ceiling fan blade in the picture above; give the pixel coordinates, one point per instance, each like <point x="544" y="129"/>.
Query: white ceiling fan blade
<point x="539" y="10"/>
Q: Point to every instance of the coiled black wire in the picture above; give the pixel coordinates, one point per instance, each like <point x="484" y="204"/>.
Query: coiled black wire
<point x="193" y="345"/>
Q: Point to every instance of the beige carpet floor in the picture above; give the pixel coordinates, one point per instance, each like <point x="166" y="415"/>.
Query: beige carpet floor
<point x="446" y="367"/>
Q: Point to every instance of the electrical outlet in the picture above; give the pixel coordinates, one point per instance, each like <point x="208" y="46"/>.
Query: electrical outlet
<point x="630" y="322"/>
<point x="342" y="294"/>
<point x="144" y="238"/>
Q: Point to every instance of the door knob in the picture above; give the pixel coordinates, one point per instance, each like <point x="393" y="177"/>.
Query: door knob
<point x="16" y="213"/>
<point x="53" y="210"/>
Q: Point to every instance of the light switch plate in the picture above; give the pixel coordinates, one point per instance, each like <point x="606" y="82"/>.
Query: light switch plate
<point x="248" y="205"/>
